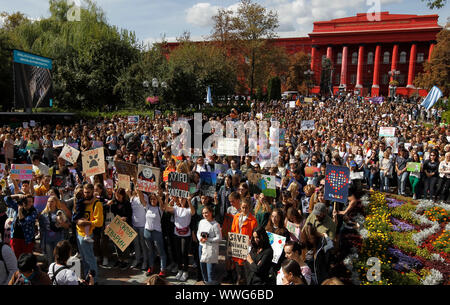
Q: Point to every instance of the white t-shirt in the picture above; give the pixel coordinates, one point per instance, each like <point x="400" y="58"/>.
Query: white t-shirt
<point x="306" y="271"/>
<point x="153" y="218"/>
<point x="212" y="228"/>
<point x="182" y="219"/>
<point x="138" y="216"/>
<point x="64" y="277"/>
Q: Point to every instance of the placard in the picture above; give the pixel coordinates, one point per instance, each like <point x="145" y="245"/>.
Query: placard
<point x="282" y="137"/>
<point x="274" y="136"/>
<point x="292" y="104"/>
<point x="123" y="181"/>
<point x="228" y="146"/>
<point x="69" y="154"/>
<point x="126" y="168"/>
<point x="148" y="178"/>
<point x="407" y="146"/>
<point x="356" y="175"/>
<point x="340" y="121"/>
<point x="387" y="131"/>
<point x="22" y="171"/>
<point x="40" y="202"/>
<point x="58" y="143"/>
<point x="93" y="161"/>
<point x="294" y="230"/>
<point x="413" y="167"/>
<point x="309" y="171"/>
<point x="220" y="168"/>
<point x="25" y="125"/>
<point x="238" y="245"/>
<point x="32" y="123"/>
<point x="178" y="184"/>
<point x="133" y="119"/>
<point x="97" y="144"/>
<point x="277" y="242"/>
<point x="120" y="233"/>
<point x="308" y="125"/>
<point x="59" y="181"/>
<point x="308" y="99"/>
<point x="74" y="145"/>
<point x="337" y="179"/>
<point x="208" y="183"/>
<point x="392" y="142"/>
<point x="267" y="186"/>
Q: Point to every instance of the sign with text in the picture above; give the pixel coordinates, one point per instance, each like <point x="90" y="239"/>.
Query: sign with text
<point x="22" y="171"/>
<point x="123" y="181"/>
<point x="126" y="168"/>
<point x="93" y="161"/>
<point x="393" y="143"/>
<point x="69" y="154"/>
<point x="308" y="99"/>
<point x="308" y="125"/>
<point x="387" y="131"/>
<point x="208" y="183"/>
<point x="148" y="178"/>
<point x="178" y="185"/>
<point x="133" y="119"/>
<point x="228" y="147"/>
<point x="58" y="143"/>
<point x="267" y="186"/>
<point x="97" y="144"/>
<point x="74" y="145"/>
<point x="120" y="233"/>
<point x="337" y="179"/>
<point x="40" y="202"/>
<point x="238" y="245"/>
<point x="277" y="242"/>
<point x="294" y="230"/>
<point x="413" y="167"/>
<point x="220" y="168"/>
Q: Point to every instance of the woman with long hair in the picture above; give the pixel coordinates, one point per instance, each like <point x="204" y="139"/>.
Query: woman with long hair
<point x="431" y="170"/>
<point x="262" y="210"/>
<point x="276" y="224"/>
<point x="293" y="250"/>
<point x="386" y="168"/>
<point x="52" y="223"/>
<point x="259" y="258"/>
<point x="414" y="177"/>
<point x="292" y="273"/>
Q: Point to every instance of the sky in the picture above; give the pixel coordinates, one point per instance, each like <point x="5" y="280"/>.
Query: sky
<point x="151" y="19"/>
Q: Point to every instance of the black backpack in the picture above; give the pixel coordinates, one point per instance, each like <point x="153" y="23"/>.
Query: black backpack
<point x="53" y="279"/>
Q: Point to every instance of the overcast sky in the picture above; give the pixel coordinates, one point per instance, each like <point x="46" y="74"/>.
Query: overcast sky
<point x="150" y="19"/>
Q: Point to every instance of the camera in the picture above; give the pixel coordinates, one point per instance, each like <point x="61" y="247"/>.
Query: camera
<point x="204" y="235"/>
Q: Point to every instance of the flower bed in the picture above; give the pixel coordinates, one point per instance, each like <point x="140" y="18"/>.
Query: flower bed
<point x="412" y="242"/>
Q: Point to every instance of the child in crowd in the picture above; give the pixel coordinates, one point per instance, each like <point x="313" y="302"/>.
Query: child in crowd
<point x="79" y="214"/>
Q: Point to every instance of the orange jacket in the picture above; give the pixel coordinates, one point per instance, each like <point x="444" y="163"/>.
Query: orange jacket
<point x="247" y="229"/>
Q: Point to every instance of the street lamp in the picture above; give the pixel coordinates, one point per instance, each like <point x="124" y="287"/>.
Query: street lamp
<point x="155" y="85"/>
<point x="393" y="84"/>
<point x="308" y="73"/>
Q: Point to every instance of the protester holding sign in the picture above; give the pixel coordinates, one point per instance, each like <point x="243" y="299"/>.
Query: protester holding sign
<point x="414" y="176"/>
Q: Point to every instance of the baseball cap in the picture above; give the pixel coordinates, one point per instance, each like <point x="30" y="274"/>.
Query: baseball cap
<point x="319" y="208"/>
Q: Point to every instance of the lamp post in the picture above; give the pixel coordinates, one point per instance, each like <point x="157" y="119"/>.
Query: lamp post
<point x="308" y="73"/>
<point x="155" y="85"/>
<point x="393" y="87"/>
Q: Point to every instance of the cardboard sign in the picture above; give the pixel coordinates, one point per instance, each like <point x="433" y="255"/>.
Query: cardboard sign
<point x="58" y="143"/>
<point x="413" y="167"/>
<point x="123" y="181"/>
<point x="387" y="131"/>
<point x="392" y="142"/>
<point x="277" y="242"/>
<point x="309" y="171"/>
<point x="25" y="125"/>
<point x="228" y="146"/>
<point x="292" y="104"/>
<point x="267" y="186"/>
<point x="308" y="125"/>
<point x="126" y="168"/>
<point x="148" y="178"/>
<point x="308" y="99"/>
<point x="337" y="179"/>
<point x="208" y="183"/>
<point x="133" y="119"/>
<point x="93" y="161"/>
<point x="73" y="145"/>
<point x="97" y="144"/>
<point x="178" y="185"/>
<point x="407" y="146"/>
<point x="22" y="171"/>
<point x="69" y="154"/>
<point x="40" y="202"/>
<point x="294" y="230"/>
<point x="238" y="245"/>
<point x="120" y="233"/>
<point x="59" y="181"/>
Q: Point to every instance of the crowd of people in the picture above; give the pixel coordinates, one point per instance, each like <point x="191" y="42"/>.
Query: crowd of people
<point x="170" y="229"/>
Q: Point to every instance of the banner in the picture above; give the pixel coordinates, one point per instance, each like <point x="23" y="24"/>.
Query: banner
<point x="228" y="147"/>
<point x="25" y="125"/>
<point x="308" y="99"/>
<point x="413" y="167"/>
<point x="277" y="242"/>
<point x="123" y="181"/>
<point x="120" y="233"/>
<point x="208" y="182"/>
<point x="267" y="185"/>
<point x="58" y="143"/>
<point x="22" y="171"/>
<point x="392" y="142"/>
<point x="148" y="178"/>
<point x="282" y="137"/>
<point x="308" y="125"/>
<point x="387" y="131"/>
<point x="93" y="161"/>
<point x="337" y="179"/>
<point x="178" y="185"/>
<point x="126" y="168"/>
<point x="59" y="181"/>
<point x="40" y="202"/>
<point x="238" y="245"/>
<point x="309" y="171"/>
<point x="69" y="154"/>
<point x="32" y="80"/>
<point x="133" y="119"/>
<point x="294" y="230"/>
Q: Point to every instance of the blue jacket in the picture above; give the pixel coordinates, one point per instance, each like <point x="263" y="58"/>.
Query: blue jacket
<point x="27" y="223"/>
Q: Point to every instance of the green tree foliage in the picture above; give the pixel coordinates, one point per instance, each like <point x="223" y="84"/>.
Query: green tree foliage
<point x="299" y="63"/>
<point x="435" y="3"/>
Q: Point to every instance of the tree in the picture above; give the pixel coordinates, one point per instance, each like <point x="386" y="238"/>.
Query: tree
<point x="300" y="63"/>
<point x="436" y="72"/>
<point x="435" y="3"/>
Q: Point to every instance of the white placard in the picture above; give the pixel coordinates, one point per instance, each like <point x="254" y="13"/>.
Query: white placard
<point x="69" y="154"/>
<point x="228" y="147"/>
<point x="387" y="131"/>
<point x="308" y="125"/>
<point x="292" y="104"/>
<point x="32" y="123"/>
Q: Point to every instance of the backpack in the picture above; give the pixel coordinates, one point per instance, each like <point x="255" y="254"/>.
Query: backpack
<point x="53" y="278"/>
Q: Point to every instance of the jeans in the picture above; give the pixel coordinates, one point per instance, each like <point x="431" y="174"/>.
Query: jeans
<point x="402" y="182"/>
<point x="50" y="244"/>
<point x="414" y="181"/>
<point x="182" y="245"/>
<point x="155" y="238"/>
<point x="140" y="246"/>
<point x="369" y="177"/>
<point x="208" y="270"/>
<point x="430" y="186"/>
<point x="384" y="182"/>
<point x="88" y="258"/>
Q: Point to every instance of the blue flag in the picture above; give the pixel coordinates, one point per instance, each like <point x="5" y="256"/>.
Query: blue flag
<point x="208" y="96"/>
<point x="432" y="97"/>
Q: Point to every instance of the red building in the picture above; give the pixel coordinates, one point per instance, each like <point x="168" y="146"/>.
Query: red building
<point x="363" y="52"/>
